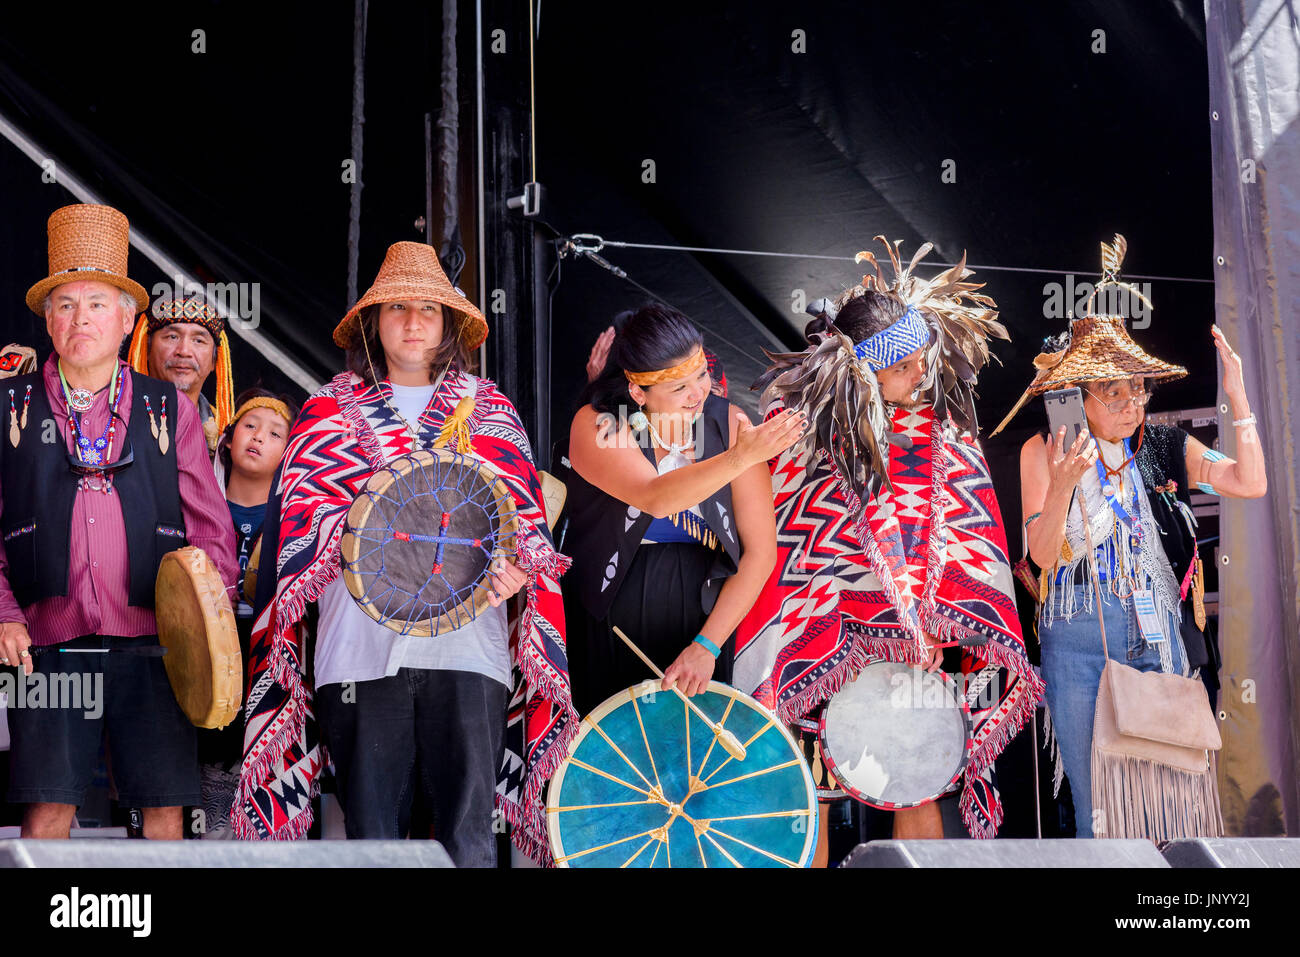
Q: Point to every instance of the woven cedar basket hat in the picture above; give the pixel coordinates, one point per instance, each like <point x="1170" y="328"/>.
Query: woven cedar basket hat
<point x="86" y="242"/>
<point x="1098" y="347"/>
<point x="412" y="271"/>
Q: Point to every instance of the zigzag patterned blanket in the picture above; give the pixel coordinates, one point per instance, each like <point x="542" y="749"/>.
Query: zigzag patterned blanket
<point x="852" y="585"/>
<point x="344" y="434"/>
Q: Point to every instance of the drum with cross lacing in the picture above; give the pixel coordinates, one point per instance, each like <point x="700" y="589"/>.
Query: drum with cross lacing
<point x="420" y="538"/>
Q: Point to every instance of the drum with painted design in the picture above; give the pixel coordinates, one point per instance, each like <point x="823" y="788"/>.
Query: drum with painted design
<point x="646" y="784"/>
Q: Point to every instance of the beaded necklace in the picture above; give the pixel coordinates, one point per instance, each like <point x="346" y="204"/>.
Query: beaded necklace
<point x="100" y="450"/>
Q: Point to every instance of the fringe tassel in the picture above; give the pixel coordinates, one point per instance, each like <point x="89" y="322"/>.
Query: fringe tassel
<point x="137" y="354"/>
<point x="1139" y="798"/>
<point x="225" y="384"/>
<point x="1053" y="748"/>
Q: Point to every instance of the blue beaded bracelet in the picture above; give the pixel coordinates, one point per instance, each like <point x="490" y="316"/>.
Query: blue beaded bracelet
<point x="708" y="646"/>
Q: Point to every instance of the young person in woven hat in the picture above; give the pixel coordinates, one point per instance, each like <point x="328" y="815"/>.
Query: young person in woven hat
<point x="86" y="521"/>
<point x="889" y="537"/>
<point x="670" y="513"/>
<point x="248" y="456"/>
<point x="479" y="711"/>
<point x="182" y="341"/>
<point x="1133" y="479"/>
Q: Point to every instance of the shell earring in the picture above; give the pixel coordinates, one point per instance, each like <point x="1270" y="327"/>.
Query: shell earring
<point x="637" y="421"/>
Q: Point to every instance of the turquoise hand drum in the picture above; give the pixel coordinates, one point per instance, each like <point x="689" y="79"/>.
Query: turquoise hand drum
<point x="647" y="783"/>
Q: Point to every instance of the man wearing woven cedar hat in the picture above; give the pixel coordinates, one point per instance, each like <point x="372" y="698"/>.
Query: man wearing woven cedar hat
<point x="889" y="538"/>
<point x="181" y="341"/>
<point x="75" y="574"/>
<point x="1142" y="532"/>
<point x="473" y="714"/>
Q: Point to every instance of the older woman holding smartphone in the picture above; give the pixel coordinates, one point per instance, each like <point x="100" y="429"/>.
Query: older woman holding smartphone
<point x="1132" y="479"/>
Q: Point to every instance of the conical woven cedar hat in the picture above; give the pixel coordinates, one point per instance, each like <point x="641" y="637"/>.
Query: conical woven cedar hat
<point x="1100" y="348"/>
<point x="87" y="242"/>
<point x="412" y="271"/>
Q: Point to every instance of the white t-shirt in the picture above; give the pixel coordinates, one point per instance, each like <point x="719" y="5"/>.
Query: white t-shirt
<point x="352" y="646"/>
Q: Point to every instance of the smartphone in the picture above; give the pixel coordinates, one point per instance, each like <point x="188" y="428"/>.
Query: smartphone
<point x="1065" y="408"/>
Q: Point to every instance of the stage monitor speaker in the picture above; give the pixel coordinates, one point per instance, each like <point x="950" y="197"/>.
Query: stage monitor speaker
<point x="124" y="853"/>
<point x="1007" y="853"/>
<point x="1233" y="852"/>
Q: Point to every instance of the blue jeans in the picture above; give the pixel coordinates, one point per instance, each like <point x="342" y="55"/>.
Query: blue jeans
<point x="1072" y="663"/>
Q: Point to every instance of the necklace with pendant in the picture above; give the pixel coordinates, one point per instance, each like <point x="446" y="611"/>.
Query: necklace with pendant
<point x="412" y="432"/>
<point x="95" y="451"/>
<point x="675" y="458"/>
<point x="79" y="400"/>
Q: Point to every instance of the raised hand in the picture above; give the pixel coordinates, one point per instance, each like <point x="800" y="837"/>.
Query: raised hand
<point x="758" y="443"/>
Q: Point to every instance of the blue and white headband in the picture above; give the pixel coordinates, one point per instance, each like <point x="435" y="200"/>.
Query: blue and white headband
<point x="894" y="343"/>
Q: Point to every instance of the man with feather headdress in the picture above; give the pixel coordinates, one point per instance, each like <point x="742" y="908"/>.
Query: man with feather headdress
<point x="889" y="537"/>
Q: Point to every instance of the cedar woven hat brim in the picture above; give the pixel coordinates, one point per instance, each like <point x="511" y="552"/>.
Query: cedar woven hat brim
<point x="87" y="242"/>
<point x="1100" y="348"/>
<point x="412" y="271"/>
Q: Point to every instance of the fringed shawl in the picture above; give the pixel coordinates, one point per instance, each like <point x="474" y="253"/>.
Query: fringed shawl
<point x="928" y="557"/>
<point x="345" y="433"/>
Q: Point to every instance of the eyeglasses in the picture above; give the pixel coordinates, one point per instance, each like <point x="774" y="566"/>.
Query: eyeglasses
<point x="1139" y="399"/>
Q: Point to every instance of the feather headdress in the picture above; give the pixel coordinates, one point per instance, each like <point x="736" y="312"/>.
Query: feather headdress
<point x="839" y="390"/>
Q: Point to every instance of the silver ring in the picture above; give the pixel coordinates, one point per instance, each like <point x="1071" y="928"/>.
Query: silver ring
<point x="4" y="661"/>
<point x="24" y="653"/>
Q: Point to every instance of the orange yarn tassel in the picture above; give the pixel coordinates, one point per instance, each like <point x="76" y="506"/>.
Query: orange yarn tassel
<point x="225" y="384"/>
<point x="137" y="354"/>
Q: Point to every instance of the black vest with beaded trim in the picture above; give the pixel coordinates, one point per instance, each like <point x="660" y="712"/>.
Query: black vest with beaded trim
<point x="39" y="489"/>
<point x="605" y="533"/>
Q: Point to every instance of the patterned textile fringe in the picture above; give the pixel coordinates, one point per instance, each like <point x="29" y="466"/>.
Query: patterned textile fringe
<point x="1139" y="798"/>
<point x="970" y="816"/>
<point x="367" y="441"/>
<point x="528" y="823"/>
<point x="862" y="651"/>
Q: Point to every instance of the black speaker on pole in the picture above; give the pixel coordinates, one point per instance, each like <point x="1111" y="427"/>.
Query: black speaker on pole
<point x="315" y="854"/>
<point x="1233" y="852"/>
<point x="1006" y="853"/>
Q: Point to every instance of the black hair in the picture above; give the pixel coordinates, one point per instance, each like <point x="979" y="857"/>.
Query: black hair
<point x="861" y="317"/>
<point x="450" y="353"/>
<point x="223" y="447"/>
<point x="653" y="337"/>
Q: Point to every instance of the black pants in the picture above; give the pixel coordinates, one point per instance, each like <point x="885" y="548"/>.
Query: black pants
<point x="440" y="731"/>
<point x="658" y="606"/>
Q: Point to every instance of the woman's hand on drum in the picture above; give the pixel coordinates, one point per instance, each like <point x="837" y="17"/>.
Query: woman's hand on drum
<point x="14" y="645"/>
<point x="934" y="659"/>
<point x="506" y="578"/>
<point x="691" y="672"/>
<point x="759" y="443"/>
<point x="1065" y="466"/>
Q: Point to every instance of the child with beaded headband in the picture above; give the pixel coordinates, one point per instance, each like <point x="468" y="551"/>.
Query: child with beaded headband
<point x="248" y="455"/>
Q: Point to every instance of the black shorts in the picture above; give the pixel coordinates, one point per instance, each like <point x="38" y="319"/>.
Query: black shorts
<point x="55" y="738"/>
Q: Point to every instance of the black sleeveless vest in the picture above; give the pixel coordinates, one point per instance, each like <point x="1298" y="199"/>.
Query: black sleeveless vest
<point x="39" y="489"/>
<point x="605" y="533"/>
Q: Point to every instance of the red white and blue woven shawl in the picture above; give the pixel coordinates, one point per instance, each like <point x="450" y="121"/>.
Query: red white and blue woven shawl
<point x="344" y="434"/>
<point x="853" y="585"/>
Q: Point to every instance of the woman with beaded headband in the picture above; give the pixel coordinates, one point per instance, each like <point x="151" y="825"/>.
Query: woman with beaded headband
<point x="1141" y="526"/>
<point x="890" y="541"/>
<point x="670" y="513"/>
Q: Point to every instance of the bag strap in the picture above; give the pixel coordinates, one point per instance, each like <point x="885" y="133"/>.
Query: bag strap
<point x="1080" y="497"/>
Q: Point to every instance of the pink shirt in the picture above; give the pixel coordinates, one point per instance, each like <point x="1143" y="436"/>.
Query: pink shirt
<point x="98" y="568"/>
